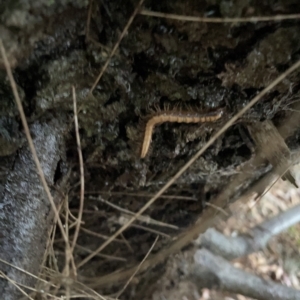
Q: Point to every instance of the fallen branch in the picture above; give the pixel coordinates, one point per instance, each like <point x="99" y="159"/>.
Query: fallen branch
<point x="254" y="240"/>
<point x="226" y="277"/>
<point x="273" y="147"/>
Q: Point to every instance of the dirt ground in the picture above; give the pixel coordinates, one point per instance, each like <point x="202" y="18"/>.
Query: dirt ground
<point x="278" y="262"/>
<point x="161" y="66"/>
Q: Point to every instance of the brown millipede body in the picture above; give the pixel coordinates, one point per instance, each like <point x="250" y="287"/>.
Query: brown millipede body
<point x="176" y="116"/>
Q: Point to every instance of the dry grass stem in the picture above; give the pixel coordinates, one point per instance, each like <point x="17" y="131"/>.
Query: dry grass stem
<point x="259" y="197"/>
<point x="102" y="236"/>
<point x="138" y="268"/>
<point x="276" y="18"/>
<point x="96" y="295"/>
<point x="79" y="219"/>
<point x="150" y="230"/>
<point x="220" y="209"/>
<point x="68" y="252"/>
<point x="26" y="272"/>
<point x="109" y="257"/>
<point x="88" y="21"/>
<point x="51" y="255"/>
<point x="127" y="243"/>
<point x="145" y="219"/>
<point x="15" y="284"/>
<point x="195" y="157"/>
<point x="117" y="45"/>
<point x="147" y="195"/>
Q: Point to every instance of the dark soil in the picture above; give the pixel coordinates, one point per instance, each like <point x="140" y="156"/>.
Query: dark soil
<point x="194" y="66"/>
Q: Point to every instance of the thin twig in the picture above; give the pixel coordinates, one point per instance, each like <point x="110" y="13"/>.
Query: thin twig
<point x="15" y="284"/>
<point x="30" y="142"/>
<point x="66" y="271"/>
<point x="148" y="195"/>
<point x="122" y="220"/>
<point x="26" y="272"/>
<point x="126" y="243"/>
<point x="195" y="157"/>
<point x="88" y="21"/>
<point x="259" y="197"/>
<point x="117" y="45"/>
<point x="276" y="18"/>
<point x="137" y="269"/>
<point x="2" y="275"/>
<point x="91" y="290"/>
<point x="255" y="239"/>
<point x="102" y="236"/>
<point x="52" y="258"/>
<point x="145" y="219"/>
<point x="108" y="257"/>
<point x="220" y="209"/>
<point x="76" y="233"/>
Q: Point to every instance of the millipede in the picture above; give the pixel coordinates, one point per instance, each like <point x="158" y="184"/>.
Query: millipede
<point x="175" y="116"/>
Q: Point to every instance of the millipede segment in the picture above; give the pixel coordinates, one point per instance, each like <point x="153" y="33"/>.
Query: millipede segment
<point x="175" y="117"/>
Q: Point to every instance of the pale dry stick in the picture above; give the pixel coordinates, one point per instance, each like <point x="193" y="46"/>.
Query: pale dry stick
<point x="67" y="253"/>
<point x="90" y="290"/>
<point x="14" y="283"/>
<point x="187" y="198"/>
<point x="126" y="243"/>
<point x="268" y="189"/>
<point x="25" y="272"/>
<point x="52" y="259"/>
<point x="88" y="21"/>
<point x="287" y="106"/>
<point x="90" y="211"/>
<point x="66" y="270"/>
<point x="145" y="219"/>
<point x="2" y="275"/>
<point x="72" y="224"/>
<point x="194" y="158"/>
<point x="135" y="12"/>
<point x="75" y="284"/>
<point x="108" y="257"/>
<point x="235" y="209"/>
<point x="150" y="230"/>
<point x="73" y="217"/>
<point x="49" y="252"/>
<point x="99" y="235"/>
<point x="85" y="296"/>
<point x="220" y="209"/>
<point x="87" y="32"/>
<point x="124" y="217"/>
<point x="29" y="139"/>
<point x="150" y="13"/>
<point x="138" y="268"/>
<point x="60" y="207"/>
<point x="122" y="241"/>
<point x="81" y="172"/>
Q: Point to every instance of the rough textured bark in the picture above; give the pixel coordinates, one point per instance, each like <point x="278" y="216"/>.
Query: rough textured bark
<point x="26" y="215"/>
<point x="229" y="278"/>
